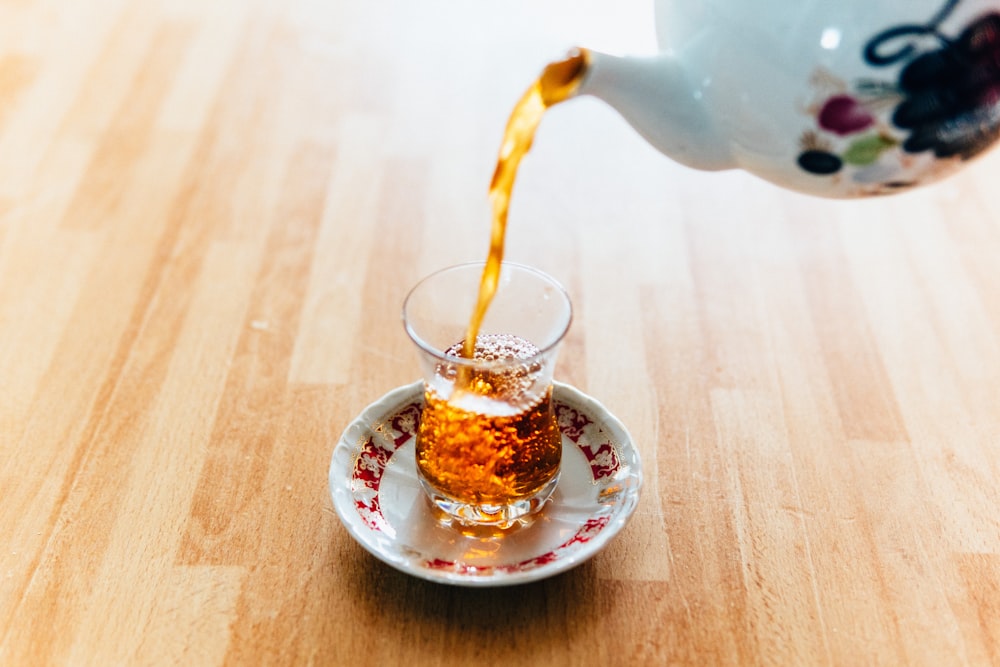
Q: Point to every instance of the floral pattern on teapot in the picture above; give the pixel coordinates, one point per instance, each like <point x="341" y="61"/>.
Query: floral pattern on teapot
<point x="945" y="100"/>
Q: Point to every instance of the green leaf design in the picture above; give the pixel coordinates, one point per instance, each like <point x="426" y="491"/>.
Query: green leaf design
<point x="864" y="151"/>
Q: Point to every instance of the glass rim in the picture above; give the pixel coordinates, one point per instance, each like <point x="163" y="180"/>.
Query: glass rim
<point x="441" y="355"/>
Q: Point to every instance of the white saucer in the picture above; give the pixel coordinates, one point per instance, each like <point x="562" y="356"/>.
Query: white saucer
<point x="373" y="480"/>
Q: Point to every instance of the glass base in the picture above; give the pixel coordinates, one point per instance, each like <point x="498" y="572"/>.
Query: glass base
<point x="520" y="512"/>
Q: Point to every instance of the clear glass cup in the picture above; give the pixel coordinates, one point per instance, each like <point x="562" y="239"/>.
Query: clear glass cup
<point x="488" y="448"/>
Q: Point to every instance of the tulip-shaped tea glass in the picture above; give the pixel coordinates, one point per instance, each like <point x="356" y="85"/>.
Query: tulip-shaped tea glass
<point x="488" y="448"/>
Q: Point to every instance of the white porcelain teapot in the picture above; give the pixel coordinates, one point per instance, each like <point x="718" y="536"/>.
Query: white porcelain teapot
<point x="837" y="98"/>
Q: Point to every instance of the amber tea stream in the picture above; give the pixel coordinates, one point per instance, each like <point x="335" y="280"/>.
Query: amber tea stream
<point x="558" y="81"/>
<point x="489" y="453"/>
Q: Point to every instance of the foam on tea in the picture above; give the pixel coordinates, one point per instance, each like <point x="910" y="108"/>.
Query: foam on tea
<point x="508" y="384"/>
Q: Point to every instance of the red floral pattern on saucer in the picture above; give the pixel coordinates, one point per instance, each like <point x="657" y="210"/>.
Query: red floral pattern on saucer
<point x="583" y="515"/>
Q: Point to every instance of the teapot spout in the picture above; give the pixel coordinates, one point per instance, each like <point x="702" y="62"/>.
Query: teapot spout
<point x="656" y="97"/>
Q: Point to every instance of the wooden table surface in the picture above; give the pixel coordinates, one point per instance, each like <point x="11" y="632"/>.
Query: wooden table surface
<point x="210" y="213"/>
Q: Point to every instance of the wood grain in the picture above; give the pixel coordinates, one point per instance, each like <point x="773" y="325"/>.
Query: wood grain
<point x="210" y="214"/>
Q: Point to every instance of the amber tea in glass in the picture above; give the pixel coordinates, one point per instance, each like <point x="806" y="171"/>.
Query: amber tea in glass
<point x="488" y="448"/>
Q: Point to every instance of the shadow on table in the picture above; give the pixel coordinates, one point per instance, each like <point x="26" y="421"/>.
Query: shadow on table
<point x="548" y="614"/>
